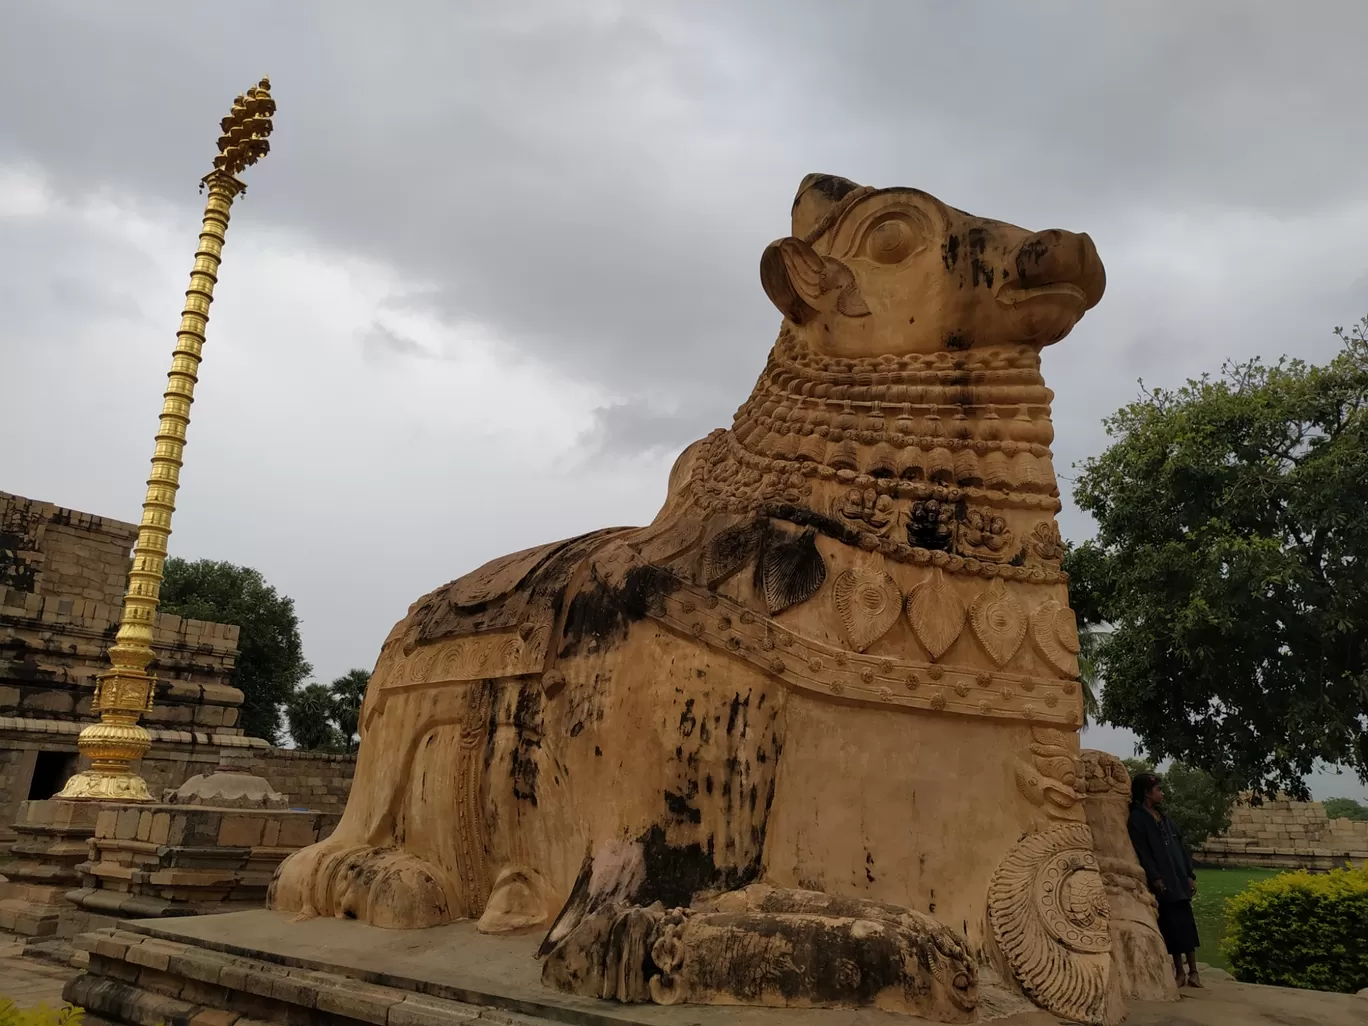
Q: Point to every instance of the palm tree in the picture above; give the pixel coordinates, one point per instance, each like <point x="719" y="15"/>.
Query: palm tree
<point x="308" y="712"/>
<point x="348" y="692"/>
<point x="1090" y="643"/>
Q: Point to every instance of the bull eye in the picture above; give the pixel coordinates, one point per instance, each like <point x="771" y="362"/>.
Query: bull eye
<point x="890" y="242"/>
<point x="962" y="980"/>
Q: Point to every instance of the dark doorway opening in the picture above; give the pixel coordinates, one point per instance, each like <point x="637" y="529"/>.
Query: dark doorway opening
<point x="51" y="771"/>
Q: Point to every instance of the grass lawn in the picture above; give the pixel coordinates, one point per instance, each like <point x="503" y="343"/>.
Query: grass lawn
<point x="1213" y="887"/>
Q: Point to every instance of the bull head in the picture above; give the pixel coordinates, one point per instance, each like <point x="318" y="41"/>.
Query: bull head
<point x="869" y="272"/>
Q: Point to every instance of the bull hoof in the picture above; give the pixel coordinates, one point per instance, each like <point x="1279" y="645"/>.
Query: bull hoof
<point x="385" y="887"/>
<point x="520" y="900"/>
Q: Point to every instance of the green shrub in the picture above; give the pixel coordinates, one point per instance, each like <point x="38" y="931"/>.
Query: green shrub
<point x="12" y="1015"/>
<point x="1301" y="930"/>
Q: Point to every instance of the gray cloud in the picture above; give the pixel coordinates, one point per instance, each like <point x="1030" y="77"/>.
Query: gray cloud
<point x="598" y="180"/>
<point x="380" y="341"/>
<point x="626" y="428"/>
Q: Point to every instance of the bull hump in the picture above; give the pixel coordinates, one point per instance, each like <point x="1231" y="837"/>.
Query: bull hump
<point x="498" y="577"/>
<point x="502" y="576"/>
<point x="520" y="592"/>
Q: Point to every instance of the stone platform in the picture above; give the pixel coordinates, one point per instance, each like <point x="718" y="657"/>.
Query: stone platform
<point x="242" y="968"/>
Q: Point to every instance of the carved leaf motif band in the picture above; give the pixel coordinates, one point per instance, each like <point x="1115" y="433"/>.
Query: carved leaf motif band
<point x="998" y="621"/>
<point x="936" y="613"/>
<point x="869" y="603"/>
<point x="791" y="570"/>
<point x="1054" y="632"/>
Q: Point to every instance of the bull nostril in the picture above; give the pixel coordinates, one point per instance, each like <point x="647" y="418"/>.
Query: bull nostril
<point x="1055" y="257"/>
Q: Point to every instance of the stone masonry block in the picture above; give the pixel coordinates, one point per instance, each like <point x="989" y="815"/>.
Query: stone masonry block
<point x="298" y="987"/>
<point x="110" y="947"/>
<point x="148" y="956"/>
<point x="298" y="831"/>
<point x="363" y="1001"/>
<point x="422" y="1010"/>
<point x="241" y="831"/>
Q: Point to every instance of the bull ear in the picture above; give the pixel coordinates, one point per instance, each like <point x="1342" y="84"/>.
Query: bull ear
<point x="802" y="284"/>
<point x="791" y="273"/>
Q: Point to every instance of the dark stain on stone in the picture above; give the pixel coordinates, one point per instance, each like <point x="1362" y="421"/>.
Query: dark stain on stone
<point x="527" y="735"/>
<point x="687" y="720"/>
<point x="950" y="252"/>
<point x="981" y="271"/>
<point x="675" y="873"/>
<point x="739" y="711"/>
<point x="1029" y="257"/>
<point x="602" y="614"/>
<point x="680" y="807"/>
<point x="955" y="341"/>
<point x="833" y="187"/>
<point x="801" y="516"/>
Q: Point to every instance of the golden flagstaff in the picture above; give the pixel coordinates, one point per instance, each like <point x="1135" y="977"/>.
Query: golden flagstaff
<point x="127" y="690"/>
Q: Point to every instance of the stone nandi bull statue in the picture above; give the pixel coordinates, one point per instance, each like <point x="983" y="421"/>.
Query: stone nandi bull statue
<point x="810" y="738"/>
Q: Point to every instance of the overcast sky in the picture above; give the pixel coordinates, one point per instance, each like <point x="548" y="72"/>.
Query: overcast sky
<point x="501" y="263"/>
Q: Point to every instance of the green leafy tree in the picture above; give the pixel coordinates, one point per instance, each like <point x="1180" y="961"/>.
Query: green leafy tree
<point x="1345" y="808"/>
<point x="1231" y="566"/>
<point x="348" y="692"/>
<point x="270" y="663"/>
<point x="1198" y="805"/>
<point x="309" y="713"/>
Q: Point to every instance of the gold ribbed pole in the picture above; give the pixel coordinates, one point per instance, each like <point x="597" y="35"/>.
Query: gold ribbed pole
<point x="127" y="690"/>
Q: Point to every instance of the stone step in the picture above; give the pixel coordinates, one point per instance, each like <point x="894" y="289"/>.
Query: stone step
<point x="144" y="981"/>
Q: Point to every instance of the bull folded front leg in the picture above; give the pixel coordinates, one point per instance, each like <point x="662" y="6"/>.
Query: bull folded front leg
<point x="368" y="869"/>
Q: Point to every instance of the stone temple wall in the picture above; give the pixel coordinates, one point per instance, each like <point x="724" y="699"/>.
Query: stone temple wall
<point x="1284" y="834"/>
<point x="316" y="780"/>
<point x="62" y="578"/>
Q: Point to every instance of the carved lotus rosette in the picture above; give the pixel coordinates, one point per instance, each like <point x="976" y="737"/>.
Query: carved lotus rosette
<point x="1047" y="905"/>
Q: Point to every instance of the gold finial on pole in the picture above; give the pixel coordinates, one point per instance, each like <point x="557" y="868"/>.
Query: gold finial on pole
<point x="127" y="690"/>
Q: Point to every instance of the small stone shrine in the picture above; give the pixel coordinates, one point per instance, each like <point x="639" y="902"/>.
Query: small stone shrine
<point x="211" y="846"/>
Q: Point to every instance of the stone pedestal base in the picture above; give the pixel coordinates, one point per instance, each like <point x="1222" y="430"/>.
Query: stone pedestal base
<point x="52" y="843"/>
<point x="154" y="861"/>
<point x="262" y="966"/>
<point x="254" y="968"/>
